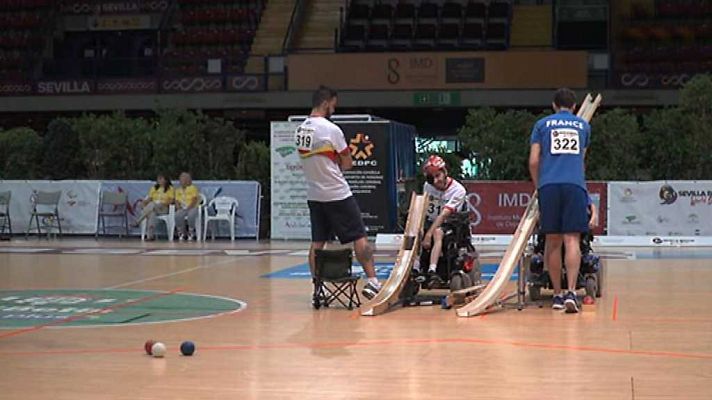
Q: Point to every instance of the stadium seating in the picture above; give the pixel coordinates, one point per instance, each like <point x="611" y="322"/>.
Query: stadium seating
<point x="212" y="29"/>
<point x="381" y="25"/>
<point x="23" y="22"/>
<point x="671" y="40"/>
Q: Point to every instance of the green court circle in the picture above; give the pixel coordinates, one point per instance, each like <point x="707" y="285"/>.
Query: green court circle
<point x="107" y="307"/>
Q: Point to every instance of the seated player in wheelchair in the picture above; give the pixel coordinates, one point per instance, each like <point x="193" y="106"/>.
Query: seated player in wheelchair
<point x="589" y="272"/>
<point x="447" y="248"/>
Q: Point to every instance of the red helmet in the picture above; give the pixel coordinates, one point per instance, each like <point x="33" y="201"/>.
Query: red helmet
<point x="433" y="165"/>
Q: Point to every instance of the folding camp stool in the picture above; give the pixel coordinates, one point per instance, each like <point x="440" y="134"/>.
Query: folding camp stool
<point x="334" y="280"/>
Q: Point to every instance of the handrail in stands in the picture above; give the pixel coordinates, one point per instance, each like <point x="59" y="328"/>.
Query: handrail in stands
<point x="294" y="23"/>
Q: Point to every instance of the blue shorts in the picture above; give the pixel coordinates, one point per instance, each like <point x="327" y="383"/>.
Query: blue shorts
<point x="563" y="208"/>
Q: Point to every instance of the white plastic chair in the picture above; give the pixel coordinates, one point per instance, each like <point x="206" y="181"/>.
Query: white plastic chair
<point x="169" y="219"/>
<point x="199" y="219"/>
<point x="226" y="208"/>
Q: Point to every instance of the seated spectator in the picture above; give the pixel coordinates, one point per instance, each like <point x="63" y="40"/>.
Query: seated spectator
<point x="187" y="199"/>
<point x="159" y="198"/>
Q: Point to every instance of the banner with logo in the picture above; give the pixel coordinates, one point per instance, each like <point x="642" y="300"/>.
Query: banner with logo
<point x="246" y="83"/>
<point x="118" y="22"/>
<point x="525" y="69"/>
<point x="496" y="207"/>
<point x="197" y="84"/>
<point x="369" y="179"/>
<point x="648" y="80"/>
<point x="381" y="152"/>
<point x="247" y="194"/>
<point x="109" y="7"/>
<point x="15" y="88"/>
<point x="660" y="208"/>
<point x="75" y="86"/>
<point x="126" y="85"/>
<point x="78" y="204"/>
<point x="290" y="213"/>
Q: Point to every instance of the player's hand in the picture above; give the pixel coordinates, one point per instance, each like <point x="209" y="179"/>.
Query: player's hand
<point x="427" y="240"/>
<point x="593" y="222"/>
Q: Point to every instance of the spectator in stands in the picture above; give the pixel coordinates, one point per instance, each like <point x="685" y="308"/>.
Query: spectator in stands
<point x="159" y="198"/>
<point x="187" y="199"/>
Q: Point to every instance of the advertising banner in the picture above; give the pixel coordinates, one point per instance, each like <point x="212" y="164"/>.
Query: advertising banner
<point x="497" y="206"/>
<point x="442" y="70"/>
<point x="370" y="179"/>
<point x="660" y="208"/>
<point x="247" y="194"/>
<point x="290" y="213"/>
<point x="78" y="205"/>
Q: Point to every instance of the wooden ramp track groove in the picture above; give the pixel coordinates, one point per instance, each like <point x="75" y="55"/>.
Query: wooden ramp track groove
<point x="491" y="293"/>
<point x="410" y="248"/>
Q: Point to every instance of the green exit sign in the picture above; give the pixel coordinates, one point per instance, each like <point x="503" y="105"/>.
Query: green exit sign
<point x="436" y="98"/>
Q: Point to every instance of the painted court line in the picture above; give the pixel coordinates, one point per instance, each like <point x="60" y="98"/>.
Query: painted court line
<point x="393" y="342"/>
<point x="237" y="252"/>
<point x="101" y="251"/>
<point x="171" y="252"/>
<point x="183" y="271"/>
<point x="24" y="250"/>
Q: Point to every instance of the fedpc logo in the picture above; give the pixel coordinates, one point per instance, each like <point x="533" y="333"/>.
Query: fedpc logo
<point x="362" y="149"/>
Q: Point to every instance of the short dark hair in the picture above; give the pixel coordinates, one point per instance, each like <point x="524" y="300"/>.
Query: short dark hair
<point x="322" y="94"/>
<point x="565" y="97"/>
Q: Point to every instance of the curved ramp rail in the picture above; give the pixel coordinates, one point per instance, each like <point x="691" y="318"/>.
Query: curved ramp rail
<point x="410" y="249"/>
<point x="491" y="294"/>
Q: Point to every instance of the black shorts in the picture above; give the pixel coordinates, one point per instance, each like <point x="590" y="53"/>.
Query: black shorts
<point x="341" y="218"/>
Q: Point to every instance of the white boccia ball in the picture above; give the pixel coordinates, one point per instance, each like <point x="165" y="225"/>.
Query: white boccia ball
<point x="158" y="350"/>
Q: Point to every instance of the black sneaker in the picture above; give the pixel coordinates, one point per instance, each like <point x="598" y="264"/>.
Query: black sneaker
<point x="370" y="290"/>
<point x="571" y="303"/>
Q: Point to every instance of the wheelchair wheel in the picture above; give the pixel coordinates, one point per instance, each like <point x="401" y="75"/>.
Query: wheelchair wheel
<point x="599" y="276"/>
<point x="475" y="273"/>
<point x="591" y="286"/>
<point x="534" y="293"/>
<point x="460" y="281"/>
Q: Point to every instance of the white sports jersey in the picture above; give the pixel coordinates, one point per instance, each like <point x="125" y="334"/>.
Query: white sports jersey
<point x="319" y="142"/>
<point x="453" y="198"/>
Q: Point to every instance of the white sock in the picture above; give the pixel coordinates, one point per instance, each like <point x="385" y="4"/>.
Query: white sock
<point x="433" y="268"/>
<point x="416" y="265"/>
<point x="374" y="281"/>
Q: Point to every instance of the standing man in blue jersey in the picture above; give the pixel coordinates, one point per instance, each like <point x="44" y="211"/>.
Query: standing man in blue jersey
<point x="556" y="164"/>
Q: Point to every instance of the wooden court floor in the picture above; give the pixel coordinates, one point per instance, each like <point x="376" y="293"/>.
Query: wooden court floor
<point x="650" y="336"/>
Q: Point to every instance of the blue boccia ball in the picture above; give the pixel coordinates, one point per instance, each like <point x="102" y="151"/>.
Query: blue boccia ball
<point x="187" y="348"/>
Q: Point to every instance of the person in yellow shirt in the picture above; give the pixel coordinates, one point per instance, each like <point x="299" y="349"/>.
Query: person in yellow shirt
<point x="160" y="197"/>
<point x="187" y="199"/>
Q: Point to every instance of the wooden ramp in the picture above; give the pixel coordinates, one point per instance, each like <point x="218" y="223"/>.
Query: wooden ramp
<point x="524" y="230"/>
<point x="410" y="249"/>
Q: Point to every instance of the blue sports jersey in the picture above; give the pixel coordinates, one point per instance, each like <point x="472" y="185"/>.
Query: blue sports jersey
<point x="563" y="138"/>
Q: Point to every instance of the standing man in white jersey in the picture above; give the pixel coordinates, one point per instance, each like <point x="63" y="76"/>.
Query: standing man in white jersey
<point x="446" y="197"/>
<point x="332" y="207"/>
